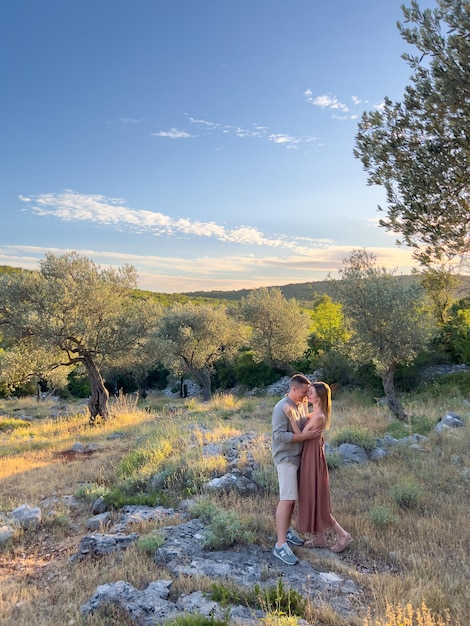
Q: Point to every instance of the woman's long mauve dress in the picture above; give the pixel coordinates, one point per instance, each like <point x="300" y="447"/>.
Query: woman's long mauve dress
<point x="314" y="509"/>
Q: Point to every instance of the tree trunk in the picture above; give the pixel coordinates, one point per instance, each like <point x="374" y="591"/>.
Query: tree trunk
<point x="206" y="387"/>
<point x="98" y="403"/>
<point x="203" y="378"/>
<point x="393" y="402"/>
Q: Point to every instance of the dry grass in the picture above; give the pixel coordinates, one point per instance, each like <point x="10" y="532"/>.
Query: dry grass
<point x="414" y="556"/>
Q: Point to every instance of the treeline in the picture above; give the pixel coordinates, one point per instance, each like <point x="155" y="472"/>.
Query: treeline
<point x="82" y="329"/>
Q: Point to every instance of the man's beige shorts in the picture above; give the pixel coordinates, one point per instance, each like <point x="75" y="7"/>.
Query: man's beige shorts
<point x="287" y="475"/>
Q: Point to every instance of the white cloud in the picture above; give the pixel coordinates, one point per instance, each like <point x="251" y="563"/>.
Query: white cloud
<point x="356" y="100"/>
<point x="282" y="138"/>
<point x="173" y="133"/>
<point x="326" y="102"/>
<point x="98" y="209"/>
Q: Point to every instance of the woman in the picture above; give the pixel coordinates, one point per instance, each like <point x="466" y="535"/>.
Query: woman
<point x="314" y="509"/>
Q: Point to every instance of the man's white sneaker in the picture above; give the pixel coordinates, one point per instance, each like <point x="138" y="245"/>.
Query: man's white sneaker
<point x="285" y="554"/>
<point x="293" y="538"/>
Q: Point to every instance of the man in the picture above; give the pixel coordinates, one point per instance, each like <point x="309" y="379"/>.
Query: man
<point x="287" y="451"/>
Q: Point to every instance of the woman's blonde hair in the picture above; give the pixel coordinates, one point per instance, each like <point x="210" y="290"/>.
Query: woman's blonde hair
<point x="323" y="392"/>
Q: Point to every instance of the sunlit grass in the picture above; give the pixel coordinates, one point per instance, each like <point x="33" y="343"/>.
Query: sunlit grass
<point x="407" y="554"/>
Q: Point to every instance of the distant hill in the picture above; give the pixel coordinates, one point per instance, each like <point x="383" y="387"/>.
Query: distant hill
<point x="305" y="293"/>
<point x="302" y="292"/>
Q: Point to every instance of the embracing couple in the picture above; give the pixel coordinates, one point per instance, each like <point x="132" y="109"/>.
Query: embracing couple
<point x="302" y="470"/>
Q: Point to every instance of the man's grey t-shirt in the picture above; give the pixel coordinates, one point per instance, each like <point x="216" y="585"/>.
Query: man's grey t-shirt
<point x="284" y="450"/>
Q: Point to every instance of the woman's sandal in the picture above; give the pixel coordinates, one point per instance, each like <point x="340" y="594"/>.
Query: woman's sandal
<point x="314" y="543"/>
<point x="341" y="544"/>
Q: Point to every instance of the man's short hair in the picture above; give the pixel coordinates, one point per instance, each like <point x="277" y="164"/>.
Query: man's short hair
<point x="297" y="380"/>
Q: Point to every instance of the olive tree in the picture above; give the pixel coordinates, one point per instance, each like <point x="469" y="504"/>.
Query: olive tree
<point x="280" y="328"/>
<point x="195" y="337"/>
<point x="72" y="311"/>
<point x="388" y="319"/>
<point x="419" y="149"/>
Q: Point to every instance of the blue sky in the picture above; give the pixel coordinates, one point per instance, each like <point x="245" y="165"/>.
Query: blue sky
<point x="207" y="143"/>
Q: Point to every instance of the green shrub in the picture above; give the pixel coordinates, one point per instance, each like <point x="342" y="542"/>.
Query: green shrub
<point x="90" y="491"/>
<point x="334" y="460"/>
<point x="398" y="429"/>
<point x="275" y="600"/>
<point x="381" y="516"/>
<point x="335" y="367"/>
<point x="252" y="374"/>
<point x="150" y="543"/>
<point x="224" y="528"/>
<point x="226" y="593"/>
<point x="78" y="383"/>
<point x="407" y="494"/>
<point x="455" y="384"/>
<point x="266" y="479"/>
<point x="356" y="435"/>
<point x="422" y="424"/>
<point x="282" y="601"/>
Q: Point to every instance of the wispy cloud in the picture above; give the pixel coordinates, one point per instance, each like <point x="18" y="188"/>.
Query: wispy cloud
<point x="173" y="133"/>
<point x="177" y="274"/>
<point x="254" y="131"/>
<point x="130" y="120"/>
<point x="340" y="110"/>
<point x="98" y="209"/>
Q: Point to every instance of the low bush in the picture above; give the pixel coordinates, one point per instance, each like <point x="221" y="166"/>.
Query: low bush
<point x="407" y="494"/>
<point x="381" y="516"/>
<point x="356" y="435"/>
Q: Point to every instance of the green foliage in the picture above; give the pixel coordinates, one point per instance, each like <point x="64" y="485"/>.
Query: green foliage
<point x="398" y="429"/>
<point x="122" y="494"/>
<point x="90" y="491"/>
<point x="334" y="460"/>
<point x="78" y="383"/>
<point x="71" y="311"/>
<point x="418" y="149"/>
<point x="335" y="367"/>
<point x="225" y="527"/>
<point x="328" y="326"/>
<point x="266" y="479"/>
<point x="382" y="517"/>
<point x="143" y="461"/>
<point x="407" y="494"/>
<point x="453" y="385"/>
<point x="389" y="320"/>
<point x="416" y="424"/>
<point x="279" y="327"/>
<point x="150" y="543"/>
<point x="276" y="600"/>
<point x="454" y="334"/>
<point x="226" y="593"/>
<point x="251" y="374"/>
<point x="356" y="435"/>
<point x="197" y="337"/>
<point x="382" y="333"/>
<point x="282" y="601"/>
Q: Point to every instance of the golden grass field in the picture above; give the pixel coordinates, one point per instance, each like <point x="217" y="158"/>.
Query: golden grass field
<point x="411" y="560"/>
